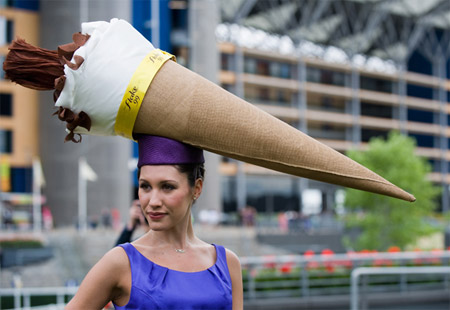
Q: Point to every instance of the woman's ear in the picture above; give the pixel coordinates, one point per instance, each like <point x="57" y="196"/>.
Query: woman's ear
<point x="198" y="186"/>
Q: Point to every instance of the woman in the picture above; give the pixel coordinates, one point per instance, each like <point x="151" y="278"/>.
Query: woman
<point x="168" y="267"/>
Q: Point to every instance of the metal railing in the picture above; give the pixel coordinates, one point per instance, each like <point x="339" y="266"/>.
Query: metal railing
<point x="299" y="276"/>
<point x="22" y="296"/>
<point x="358" y="272"/>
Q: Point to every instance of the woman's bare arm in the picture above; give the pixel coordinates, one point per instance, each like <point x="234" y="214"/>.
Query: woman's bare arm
<point x="109" y="279"/>
<point x="234" y="266"/>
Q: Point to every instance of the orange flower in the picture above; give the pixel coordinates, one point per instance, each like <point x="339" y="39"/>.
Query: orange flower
<point x="312" y="264"/>
<point x="329" y="265"/>
<point x="394" y="249"/>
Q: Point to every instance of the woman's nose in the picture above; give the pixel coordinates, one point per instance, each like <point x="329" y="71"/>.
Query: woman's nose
<point x="155" y="199"/>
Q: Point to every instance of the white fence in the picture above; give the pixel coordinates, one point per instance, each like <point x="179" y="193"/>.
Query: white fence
<point x="358" y="272"/>
<point x="22" y="296"/>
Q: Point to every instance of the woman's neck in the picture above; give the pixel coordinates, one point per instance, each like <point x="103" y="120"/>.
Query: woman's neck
<point x="180" y="237"/>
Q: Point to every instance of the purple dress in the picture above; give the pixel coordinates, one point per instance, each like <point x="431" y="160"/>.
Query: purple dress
<point x="157" y="287"/>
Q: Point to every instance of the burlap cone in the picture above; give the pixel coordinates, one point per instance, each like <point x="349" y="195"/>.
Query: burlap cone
<point x="178" y="104"/>
<point x="182" y="105"/>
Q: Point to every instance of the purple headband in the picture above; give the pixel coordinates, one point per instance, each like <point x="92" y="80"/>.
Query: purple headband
<point x="154" y="150"/>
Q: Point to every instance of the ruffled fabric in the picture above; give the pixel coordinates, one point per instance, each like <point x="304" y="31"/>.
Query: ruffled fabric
<point x="73" y="120"/>
<point x="109" y="59"/>
<point x="41" y="69"/>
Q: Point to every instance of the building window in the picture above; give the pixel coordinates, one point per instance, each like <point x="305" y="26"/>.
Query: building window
<point x="285" y="71"/>
<point x="32" y="5"/>
<point x="9" y="31"/>
<point x="7" y="3"/>
<point x="263" y="94"/>
<point x="423" y="140"/>
<point x="225" y="62"/>
<point x="376" y="110"/>
<point x="21" y="180"/>
<point x="420" y="116"/>
<point x="262" y="67"/>
<point x="2" y="72"/>
<point x="325" y="76"/>
<point x="229" y="199"/>
<point x="5" y="105"/>
<point x="326" y="131"/>
<point x="367" y="134"/>
<point x="278" y="69"/>
<point x="275" y="70"/>
<point x="6" y="141"/>
<point x="228" y="87"/>
<point x="376" y="84"/>
<point x="324" y="103"/>
<point x="338" y="78"/>
<point x="6" y="31"/>
<point x="250" y="65"/>
<point x="312" y="75"/>
<point x="420" y="91"/>
<point x="283" y="97"/>
<point x="272" y="193"/>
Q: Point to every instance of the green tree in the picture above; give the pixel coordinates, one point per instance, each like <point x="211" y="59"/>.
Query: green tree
<point x="384" y="221"/>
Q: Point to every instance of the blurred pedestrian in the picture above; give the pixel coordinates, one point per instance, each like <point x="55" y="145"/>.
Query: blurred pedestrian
<point x="106" y="217"/>
<point x="136" y="219"/>
<point x="248" y="215"/>
<point x="47" y="218"/>
<point x="7" y="215"/>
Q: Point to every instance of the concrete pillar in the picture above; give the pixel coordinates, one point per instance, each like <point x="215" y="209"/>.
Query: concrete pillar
<point x="108" y="156"/>
<point x="440" y="94"/>
<point x="204" y="59"/>
<point x="355" y="108"/>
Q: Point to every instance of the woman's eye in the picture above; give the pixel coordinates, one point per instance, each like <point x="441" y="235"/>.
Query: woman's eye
<point x="168" y="187"/>
<point x="144" y="186"/>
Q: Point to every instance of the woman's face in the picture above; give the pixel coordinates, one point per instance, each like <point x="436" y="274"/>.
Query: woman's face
<point x="165" y="196"/>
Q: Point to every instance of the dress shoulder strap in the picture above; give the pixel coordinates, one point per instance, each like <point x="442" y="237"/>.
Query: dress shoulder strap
<point x="126" y="246"/>
<point x="221" y="261"/>
<point x="138" y="262"/>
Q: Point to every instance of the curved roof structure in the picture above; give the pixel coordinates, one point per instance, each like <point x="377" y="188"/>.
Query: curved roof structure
<point x="390" y="29"/>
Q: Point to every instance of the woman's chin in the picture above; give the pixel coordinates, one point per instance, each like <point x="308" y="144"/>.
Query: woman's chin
<point x="158" y="227"/>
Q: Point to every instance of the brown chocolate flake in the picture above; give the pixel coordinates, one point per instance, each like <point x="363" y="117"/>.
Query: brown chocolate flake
<point x="32" y="67"/>
<point x="66" y="52"/>
<point x="73" y="120"/>
<point x="41" y="69"/>
<point x="80" y="39"/>
<point x="78" y="61"/>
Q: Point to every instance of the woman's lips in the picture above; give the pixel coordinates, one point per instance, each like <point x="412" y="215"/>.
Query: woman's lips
<point x="156" y="215"/>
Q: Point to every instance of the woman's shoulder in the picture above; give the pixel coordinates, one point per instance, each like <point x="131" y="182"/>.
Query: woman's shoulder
<point x="235" y="271"/>
<point x="232" y="258"/>
<point x="230" y="255"/>
<point x="115" y="258"/>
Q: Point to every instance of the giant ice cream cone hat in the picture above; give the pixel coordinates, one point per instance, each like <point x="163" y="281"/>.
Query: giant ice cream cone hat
<point x="112" y="81"/>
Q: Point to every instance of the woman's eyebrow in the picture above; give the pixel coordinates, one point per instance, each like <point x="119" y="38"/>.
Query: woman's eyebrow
<point x="161" y="181"/>
<point x="168" y="181"/>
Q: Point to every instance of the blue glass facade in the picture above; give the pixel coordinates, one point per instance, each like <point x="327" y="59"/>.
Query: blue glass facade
<point x="32" y="5"/>
<point x="141" y="20"/>
<point x="21" y="180"/>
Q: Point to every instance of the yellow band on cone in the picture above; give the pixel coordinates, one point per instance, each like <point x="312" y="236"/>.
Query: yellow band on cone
<point x="135" y="92"/>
